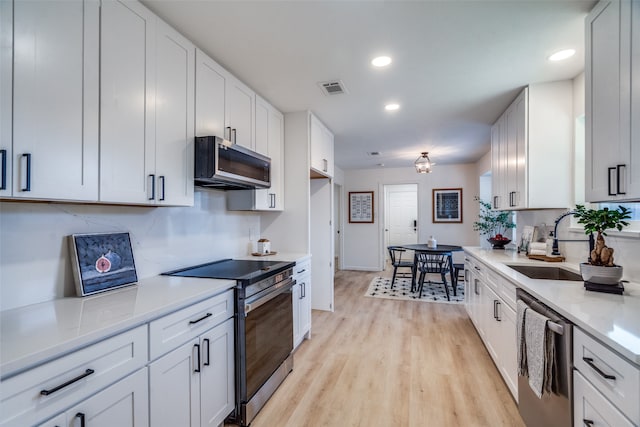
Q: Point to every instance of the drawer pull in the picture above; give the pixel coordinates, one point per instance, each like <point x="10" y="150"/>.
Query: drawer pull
<point x="61" y="386"/>
<point x="81" y="416"/>
<point x="197" y="348"/>
<point x="208" y="362"/>
<point x="200" y="319"/>
<point x="588" y="423"/>
<point x="301" y="271"/>
<point x="589" y="361"/>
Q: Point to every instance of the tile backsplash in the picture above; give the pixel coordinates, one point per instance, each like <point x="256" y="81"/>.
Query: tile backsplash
<point x="34" y="254"/>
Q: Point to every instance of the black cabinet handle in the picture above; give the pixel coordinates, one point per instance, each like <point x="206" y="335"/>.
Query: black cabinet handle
<point x="3" y="183"/>
<point x="495" y="202"/>
<point x="611" y="193"/>
<point x="71" y="381"/>
<point x="153" y="186"/>
<point x="81" y="416"/>
<point x="589" y="361"/>
<point x="162" y="180"/>
<point x="301" y="291"/>
<point x="208" y="362"/>
<point x="28" y="186"/>
<point x="497" y="311"/>
<point x="587" y="422"/>
<point x="233" y="136"/>
<point x="325" y="165"/>
<point x="200" y="319"/>
<point x="197" y="347"/>
<point x="301" y="271"/>
<point x="476" y="287"/>
<point x="619" y="173"/>
<point x="495" y="316"/>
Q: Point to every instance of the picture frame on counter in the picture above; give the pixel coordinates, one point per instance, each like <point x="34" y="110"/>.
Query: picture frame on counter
<point x="361" y="207"/>
<point x="102" y="262"/>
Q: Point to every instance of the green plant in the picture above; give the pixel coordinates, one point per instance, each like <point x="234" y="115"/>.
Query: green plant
<point x="599" y="221"/>
<point x="490" y="222"/>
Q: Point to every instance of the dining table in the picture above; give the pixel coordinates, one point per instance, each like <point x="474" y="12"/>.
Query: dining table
<point x="438" y="249"/>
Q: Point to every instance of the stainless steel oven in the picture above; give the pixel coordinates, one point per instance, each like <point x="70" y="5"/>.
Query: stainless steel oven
<point x="263" y="351"/>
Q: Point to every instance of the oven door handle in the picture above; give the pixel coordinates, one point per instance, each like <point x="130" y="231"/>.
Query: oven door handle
<point x="280" y="288"/>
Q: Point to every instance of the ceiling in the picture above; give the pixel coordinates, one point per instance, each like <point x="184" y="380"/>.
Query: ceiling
<point x="456" y="64"/>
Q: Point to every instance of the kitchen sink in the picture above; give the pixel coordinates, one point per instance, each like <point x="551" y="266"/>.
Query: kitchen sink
<point x="549" y="273"/>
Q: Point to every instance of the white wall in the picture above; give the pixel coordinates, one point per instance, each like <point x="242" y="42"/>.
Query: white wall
<point x="363" y="243"/>
<point x="34" y="256"/>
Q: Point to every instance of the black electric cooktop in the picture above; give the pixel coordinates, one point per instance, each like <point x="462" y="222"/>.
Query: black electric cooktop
<point x="247" y="271"/>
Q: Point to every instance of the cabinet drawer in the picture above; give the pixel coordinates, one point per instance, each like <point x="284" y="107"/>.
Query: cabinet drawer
<point x="176" y="328"/>
<point x="71" y="378"/>
<point x="302" y="267"/>
<point x="508" y="293"/>
<point x="623" y="390"/>
<point x="590" y="405"/>
<point x="492" y="279"/>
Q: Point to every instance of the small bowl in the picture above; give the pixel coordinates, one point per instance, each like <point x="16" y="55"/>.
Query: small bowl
<point x="498" y="244"/>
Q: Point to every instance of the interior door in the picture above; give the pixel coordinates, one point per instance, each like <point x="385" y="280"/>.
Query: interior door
<point x="401" y="214"/>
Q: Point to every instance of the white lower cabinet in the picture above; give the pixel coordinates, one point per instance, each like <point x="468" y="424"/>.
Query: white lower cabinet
<point x="302" y="302"/>
<point x="490" y="303"/>
<point x="194" y="384"/>
<point x="58" y="421"/>
<point x="590" y="408"/>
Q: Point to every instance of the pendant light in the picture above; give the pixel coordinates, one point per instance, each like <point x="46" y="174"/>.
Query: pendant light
<point x="423" y="164"/>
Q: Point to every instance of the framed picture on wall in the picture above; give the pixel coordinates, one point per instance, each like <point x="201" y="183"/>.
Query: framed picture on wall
<point x="101" y="262"/>
<point x="447" y="205"/>
<point x="361" y="207"/>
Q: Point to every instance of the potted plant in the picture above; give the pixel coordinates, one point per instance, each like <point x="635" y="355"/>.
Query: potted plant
<point x="493" y="224"/>
<point x="600" y="267"/>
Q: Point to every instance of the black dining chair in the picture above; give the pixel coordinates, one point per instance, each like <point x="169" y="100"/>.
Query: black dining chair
<point x="458" y="273"/>
<point x="433" y="264"/>
<point x="395" y="253"/>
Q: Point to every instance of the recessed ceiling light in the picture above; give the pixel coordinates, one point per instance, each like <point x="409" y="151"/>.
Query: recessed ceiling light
<point x="392" y="107"/>
<point x="381" y="61"/>
<point x="562" y="54"/>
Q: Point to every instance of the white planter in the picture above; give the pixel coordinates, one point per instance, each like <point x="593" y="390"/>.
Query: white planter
<point x="601" y="275"/>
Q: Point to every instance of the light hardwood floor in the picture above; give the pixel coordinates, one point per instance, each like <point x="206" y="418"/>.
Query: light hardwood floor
<point x="376" y="362"/>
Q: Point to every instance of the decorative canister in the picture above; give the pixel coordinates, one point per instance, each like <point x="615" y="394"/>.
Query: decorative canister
<point x="264" y="246"/>
<point x="432" y="243"/>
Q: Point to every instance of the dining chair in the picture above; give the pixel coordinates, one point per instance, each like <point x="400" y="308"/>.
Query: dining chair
<point x="458" y="273"/>
<point x="428" y="263"/>
<point x="395" y="253"/>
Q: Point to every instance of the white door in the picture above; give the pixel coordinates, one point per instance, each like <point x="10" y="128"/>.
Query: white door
<point x="401" y="214"/>
<point x="210" y="96"/>
<point x="239" y="112"/>
<point x="337" y="222"/>
<point x="321" y="244"/>
<point x="217" y="384"/>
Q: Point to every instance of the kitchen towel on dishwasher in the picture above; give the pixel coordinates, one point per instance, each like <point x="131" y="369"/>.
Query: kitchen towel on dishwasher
<point x="540" y="351"/>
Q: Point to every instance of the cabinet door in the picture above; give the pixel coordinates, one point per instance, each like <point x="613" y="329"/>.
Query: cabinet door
<point x="239" y="111"/>
<point x="210" y="96"/>
<point x="489" y="323"/>
<point x="217" y="377"/>
<point x="262" y="126"/>
<point x="127" y="89"/>
<point x="124" y="404"/>
<point x="276" y="153"/>
<point x="521" y="194"/>
<point x="305" y="306"/>
<point x="174" y="117"/>
<point x="633" y="167"/>
<point x="603" y="102"/>
<point x="174" y="385"/>
<point x="59" y="421"/>
<point x="317" y="135"/>
<point x="328" y="152"/>
<point x="55" y="100"/>
<point x="498" y="169"/>
<point x="296" y="294"/>
<point x="508" y="348"/>
<point x="6" y="100"/>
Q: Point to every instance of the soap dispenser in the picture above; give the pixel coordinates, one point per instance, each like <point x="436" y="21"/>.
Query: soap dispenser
<point x="432" y="243"/>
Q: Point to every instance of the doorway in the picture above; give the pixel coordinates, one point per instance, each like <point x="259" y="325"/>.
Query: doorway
<point x="400" y="215"/>
<point x="337" y="225"/>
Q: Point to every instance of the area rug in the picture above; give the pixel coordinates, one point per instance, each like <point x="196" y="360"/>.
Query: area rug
<point x="380" y="287"/>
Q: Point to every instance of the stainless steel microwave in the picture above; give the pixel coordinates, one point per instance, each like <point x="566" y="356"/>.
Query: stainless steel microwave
<point x="224" y="165"/>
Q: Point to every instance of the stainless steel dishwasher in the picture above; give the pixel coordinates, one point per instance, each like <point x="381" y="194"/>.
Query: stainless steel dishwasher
<point x="555" y="409"/>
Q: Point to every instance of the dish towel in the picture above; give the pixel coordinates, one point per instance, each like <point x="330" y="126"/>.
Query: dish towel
<point x="540" y="351"/>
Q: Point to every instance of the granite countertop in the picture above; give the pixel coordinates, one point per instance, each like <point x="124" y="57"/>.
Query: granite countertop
<point x="37" y="333"/>
<point x="613" y="319"/>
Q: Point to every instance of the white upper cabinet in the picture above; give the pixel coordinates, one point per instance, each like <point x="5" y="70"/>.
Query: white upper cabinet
<point x="54" y="150"/>
<point x="612" y="98"/>
<point x="174" y="117"/>
<point x="210" y="96"/>
<point x="531" y="138"/>
<point x="321" y="148"/>
<point x="269" y="133"/>
<point x="147" y="96"/>
<point x="239" y="112"/>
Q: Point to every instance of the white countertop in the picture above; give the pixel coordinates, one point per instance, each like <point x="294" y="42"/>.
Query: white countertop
<point x="34" y="334"/>
<point x="284" y="256"/>
<point x="613" y="319"/>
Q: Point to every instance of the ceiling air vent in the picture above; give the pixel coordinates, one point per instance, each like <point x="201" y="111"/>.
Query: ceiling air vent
<point x="335" y="87"/>
<point x="373" y="153"/>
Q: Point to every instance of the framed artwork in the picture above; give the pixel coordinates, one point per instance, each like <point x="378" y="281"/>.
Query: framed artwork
<point x="447" y="205"/>
<point x="361" y="207"/>
<point x="101" y="262"/>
